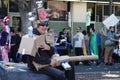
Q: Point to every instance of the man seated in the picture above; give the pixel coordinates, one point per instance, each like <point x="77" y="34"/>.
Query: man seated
<point x="43" y="56"/>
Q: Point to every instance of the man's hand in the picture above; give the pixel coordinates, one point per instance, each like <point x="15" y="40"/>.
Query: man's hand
<point x="45" y="47"/>
<point x="53" y="61"/>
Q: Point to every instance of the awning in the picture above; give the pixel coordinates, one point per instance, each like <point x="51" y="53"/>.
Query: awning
<point x="67" y="0"/>
<point x="88" y="0"/>
<point x="92" y="1"/>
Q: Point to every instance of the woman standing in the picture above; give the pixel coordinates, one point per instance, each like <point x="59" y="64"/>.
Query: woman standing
<point x="5" y="39"/>
<point x="93" y="42"/>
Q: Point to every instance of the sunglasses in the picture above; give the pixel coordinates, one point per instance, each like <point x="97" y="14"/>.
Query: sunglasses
<point x="43" y="24"/>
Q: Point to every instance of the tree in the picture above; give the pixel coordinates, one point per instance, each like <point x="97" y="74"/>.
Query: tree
<point x="24" y="6"/>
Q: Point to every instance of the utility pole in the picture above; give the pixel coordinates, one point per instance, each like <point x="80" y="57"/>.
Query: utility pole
<point x="110" y="9"/>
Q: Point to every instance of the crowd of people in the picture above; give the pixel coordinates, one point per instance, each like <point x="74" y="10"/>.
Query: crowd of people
<point x="85" y="42"/>
<point x="105" y="45"/>
<point x="89" y="42"/>
<point x="9" y="41"/>
<point x="89" y="38"/>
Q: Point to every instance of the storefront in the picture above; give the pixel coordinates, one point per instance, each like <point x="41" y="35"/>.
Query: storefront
<point x="78" y="8"/>
<point x="60" y="10"/>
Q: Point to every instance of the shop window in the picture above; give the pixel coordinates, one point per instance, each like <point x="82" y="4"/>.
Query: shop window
<point x="117" y="10"/>
<point x="106" y="9"/>
<point x="13" y="7"/>
<point x="59" y="10"/>
<point x="15" y="19"/>
<point x="99" y="13"/>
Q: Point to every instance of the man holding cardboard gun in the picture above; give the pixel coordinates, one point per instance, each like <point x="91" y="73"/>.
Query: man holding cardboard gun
<point x="44" y="56"/>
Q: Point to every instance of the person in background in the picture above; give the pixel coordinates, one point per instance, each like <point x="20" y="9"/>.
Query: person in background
<point x="117" y="36"/>
<point x="101" y="53"/>
<point x="64" y="42"/>
<point x="44" y="56"/>
<point x="15" y="42"/>
<point x="93" y="43"/>
<point x="87" y="46"/>
<point x="116" y="54"/>
<point x="79" y="42"/>
<point x="99" y="42"/>
<point x="86" y="38"/>
<point x="109" y="48"/>
<point x="64" y="30"/>
<point x="50" y="32"/>
<point x="5" y="39"/>
<point x="62" y="47"/>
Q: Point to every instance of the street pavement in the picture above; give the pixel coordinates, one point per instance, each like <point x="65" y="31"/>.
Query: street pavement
<point x="98" y="72"/>
<point x="82" y="72"/>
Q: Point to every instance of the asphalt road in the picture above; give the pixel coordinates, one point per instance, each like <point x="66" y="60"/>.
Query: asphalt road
<point x="98" y="72"/>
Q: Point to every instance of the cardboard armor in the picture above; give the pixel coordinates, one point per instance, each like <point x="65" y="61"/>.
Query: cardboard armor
<point x="29" y="45"/>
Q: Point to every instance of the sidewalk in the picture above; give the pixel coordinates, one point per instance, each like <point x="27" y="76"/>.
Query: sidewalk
<point x="82" y="72"/>
<point x="99" y="72"/>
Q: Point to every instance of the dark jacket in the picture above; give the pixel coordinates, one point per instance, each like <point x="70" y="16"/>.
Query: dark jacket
<point x="3" y="38"/>
<point x="42" y="57"/>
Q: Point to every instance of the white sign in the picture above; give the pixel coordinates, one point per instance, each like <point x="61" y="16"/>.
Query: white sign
<point x="88" y="18"/>
<point x="110" y="21"/>
<point x="69" y="19"/>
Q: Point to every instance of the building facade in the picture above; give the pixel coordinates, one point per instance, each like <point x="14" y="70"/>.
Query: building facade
<point x="100" y="10"/>
<point x="67" y="12"/>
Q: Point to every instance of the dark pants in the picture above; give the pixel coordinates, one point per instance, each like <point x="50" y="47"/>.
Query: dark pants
<point x="62" y="51"/>
<point x="13" y="53"/>
<point x="54" y="73"/>
<point x="58" y="73"/>
<point x="70" y="74"/>
<point x="78" y="52"/>
<point x="99" y="51"/>
<point x="116" y="57"/>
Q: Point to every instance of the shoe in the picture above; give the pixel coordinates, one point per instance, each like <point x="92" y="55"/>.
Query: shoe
<point x="98" y="63"/>
<point x="110" y="63"/>
<point x="106" y="63"/>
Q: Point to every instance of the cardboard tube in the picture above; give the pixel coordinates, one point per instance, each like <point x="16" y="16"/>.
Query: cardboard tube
<point x="60" y="59"/>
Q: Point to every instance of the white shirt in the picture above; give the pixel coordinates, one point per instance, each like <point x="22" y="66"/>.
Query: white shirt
<point x="78" y="39"/>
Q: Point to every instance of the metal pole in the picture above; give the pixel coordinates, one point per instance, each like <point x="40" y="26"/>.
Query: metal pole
<point x="8" y="7"/>
<point x="110" y="4"/>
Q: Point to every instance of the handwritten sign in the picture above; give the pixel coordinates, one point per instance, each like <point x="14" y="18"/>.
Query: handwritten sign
<point x="110" y="21"/>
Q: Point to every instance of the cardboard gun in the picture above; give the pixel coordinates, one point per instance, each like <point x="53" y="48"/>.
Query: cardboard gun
<point x="62" y="60"/>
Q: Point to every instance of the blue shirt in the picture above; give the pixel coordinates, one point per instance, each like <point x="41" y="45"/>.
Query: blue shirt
<point x="3" y="38"/>
<point x="98" y="39"/>
<point x="111" y="35"/>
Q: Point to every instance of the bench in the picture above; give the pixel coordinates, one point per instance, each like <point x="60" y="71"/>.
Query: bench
<point x="18" y="71"/>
